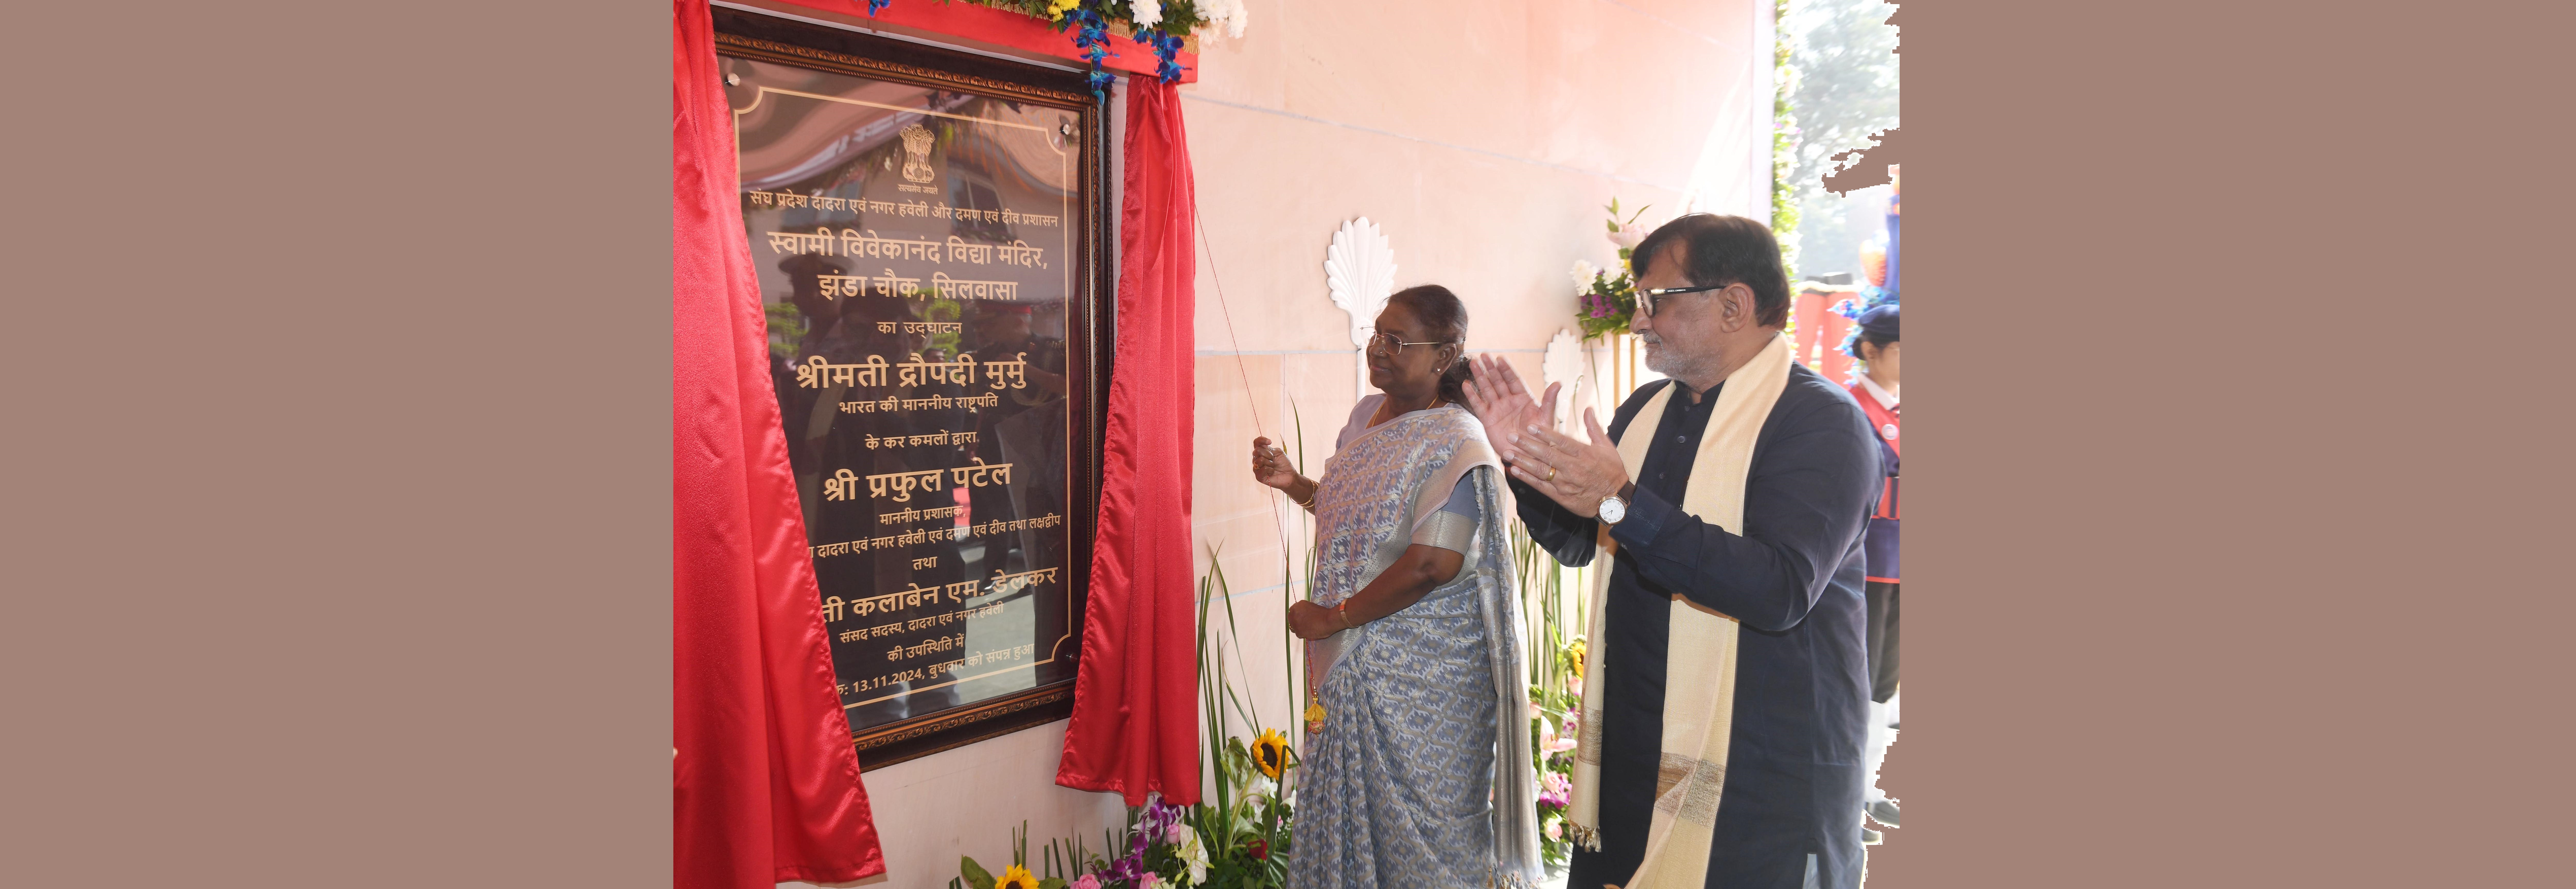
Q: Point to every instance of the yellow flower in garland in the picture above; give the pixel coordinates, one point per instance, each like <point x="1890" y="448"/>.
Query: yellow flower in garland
<point x="1270" y="752"/>
<point x="1057" y="8"/>
<point x="1016" y="877"/>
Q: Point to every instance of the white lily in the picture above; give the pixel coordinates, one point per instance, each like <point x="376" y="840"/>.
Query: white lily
<point x="1185" y="843"/>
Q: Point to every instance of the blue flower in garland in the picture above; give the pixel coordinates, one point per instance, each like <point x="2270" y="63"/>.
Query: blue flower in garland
<point x="1166" y="48"/>
<point x="1093" y="39"/>
<point x="874" y="5"/>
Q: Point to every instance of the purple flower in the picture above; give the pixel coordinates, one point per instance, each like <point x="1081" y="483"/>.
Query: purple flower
<point x="1125" y="869"/>
<point x="1554" y="790"/>
<point x="1154" y="825"/>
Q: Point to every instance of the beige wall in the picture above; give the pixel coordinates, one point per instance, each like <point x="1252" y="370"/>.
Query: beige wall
<point x="1483" y="137"/>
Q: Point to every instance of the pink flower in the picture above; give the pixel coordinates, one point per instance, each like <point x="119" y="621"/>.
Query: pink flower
<point x="1150" y="881"/>
<point x="1561" y="743"/>
<point x="1087" y="881"/>
<point x="1555" y="831"/>
<point x="1554" y="790"/>
<point x="1628" y="235"/>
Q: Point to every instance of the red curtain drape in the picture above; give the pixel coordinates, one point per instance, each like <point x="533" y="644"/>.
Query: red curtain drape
<point x="1135" y="705"/>
<point x="765" y="785"/>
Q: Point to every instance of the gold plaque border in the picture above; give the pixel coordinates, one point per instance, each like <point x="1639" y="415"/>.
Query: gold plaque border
<point x="862" y="66"/>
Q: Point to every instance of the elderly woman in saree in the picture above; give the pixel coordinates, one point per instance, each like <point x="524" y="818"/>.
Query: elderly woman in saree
<point x="1417" y="769"/>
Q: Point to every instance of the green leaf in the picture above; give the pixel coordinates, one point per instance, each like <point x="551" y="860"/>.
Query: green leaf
<point x="1614" y="226"/>
<point x="1051" y="883"/>
<point x="974" y="873"/>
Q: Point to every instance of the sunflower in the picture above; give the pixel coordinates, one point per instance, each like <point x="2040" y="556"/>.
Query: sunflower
<point x="1270" y="752"/>
<point x="1016" y="877"/>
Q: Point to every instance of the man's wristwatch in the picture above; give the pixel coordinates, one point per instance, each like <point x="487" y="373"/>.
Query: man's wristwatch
<point x="1613" y="509"/>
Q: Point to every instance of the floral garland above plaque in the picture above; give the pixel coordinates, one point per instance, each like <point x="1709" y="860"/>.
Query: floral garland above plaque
<point x="1162" y="28"/>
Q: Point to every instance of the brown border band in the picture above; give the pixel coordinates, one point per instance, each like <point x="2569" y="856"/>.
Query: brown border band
<point x="1061" y="692"/>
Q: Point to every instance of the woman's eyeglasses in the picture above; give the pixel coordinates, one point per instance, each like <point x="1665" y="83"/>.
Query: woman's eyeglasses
<point x="1393" y="346"/>
<point x="1646" y="298"/>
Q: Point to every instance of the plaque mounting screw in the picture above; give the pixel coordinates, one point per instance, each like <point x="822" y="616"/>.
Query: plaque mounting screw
<point x="733" y="79"/>
<point x="1067" y="129"/>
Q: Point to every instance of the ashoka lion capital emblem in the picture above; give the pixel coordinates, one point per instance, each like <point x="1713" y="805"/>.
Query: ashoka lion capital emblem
<point x="916" y="151"/>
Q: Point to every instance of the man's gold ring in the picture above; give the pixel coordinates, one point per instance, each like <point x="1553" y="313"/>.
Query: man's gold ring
<point x="1551" y="474"/>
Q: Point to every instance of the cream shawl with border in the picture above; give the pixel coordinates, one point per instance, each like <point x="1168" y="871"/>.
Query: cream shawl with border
<point x="1699" y="661"/>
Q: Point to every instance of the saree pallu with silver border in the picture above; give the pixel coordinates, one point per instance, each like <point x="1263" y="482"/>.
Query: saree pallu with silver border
<point x="1423" y="775"/>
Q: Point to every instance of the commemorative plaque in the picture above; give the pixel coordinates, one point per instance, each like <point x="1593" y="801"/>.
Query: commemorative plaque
<point x="925" y="229"/>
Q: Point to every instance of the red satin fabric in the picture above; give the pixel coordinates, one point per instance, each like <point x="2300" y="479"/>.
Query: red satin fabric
<point x="1135" y="705"/>
<point x="765" y="787"/>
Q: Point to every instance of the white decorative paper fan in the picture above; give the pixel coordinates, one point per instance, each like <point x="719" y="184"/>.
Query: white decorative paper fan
<point x="1360" y="269"/>
<point x="1563" y="364"/>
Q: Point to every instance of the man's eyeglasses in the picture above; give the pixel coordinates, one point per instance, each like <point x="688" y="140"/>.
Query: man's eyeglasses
<point x="1395" y="346"/>
<point x="1646" y="298"/>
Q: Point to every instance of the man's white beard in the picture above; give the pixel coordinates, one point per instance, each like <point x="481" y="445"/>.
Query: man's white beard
<point x="1661" y="359"/>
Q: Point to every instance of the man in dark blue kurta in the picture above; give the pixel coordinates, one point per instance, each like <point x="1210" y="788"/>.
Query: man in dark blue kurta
<point x="1789" y="811"/>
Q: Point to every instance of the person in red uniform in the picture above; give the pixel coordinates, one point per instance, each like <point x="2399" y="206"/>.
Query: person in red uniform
<point x="1875" y="345"/>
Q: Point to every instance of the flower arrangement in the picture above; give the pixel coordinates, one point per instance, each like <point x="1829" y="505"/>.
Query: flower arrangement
<point x="1606" y="300"/>
<point x="1234" y="839"/>
<point x="1220" y="844"/>
<point x="1557" y="716"/>
<point x="1556" y="689"/>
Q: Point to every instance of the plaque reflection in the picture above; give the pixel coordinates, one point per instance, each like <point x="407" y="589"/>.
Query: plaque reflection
<point x="913" y="247"/>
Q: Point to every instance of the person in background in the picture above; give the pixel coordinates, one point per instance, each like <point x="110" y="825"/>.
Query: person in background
<point x="1874" y="344"/>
